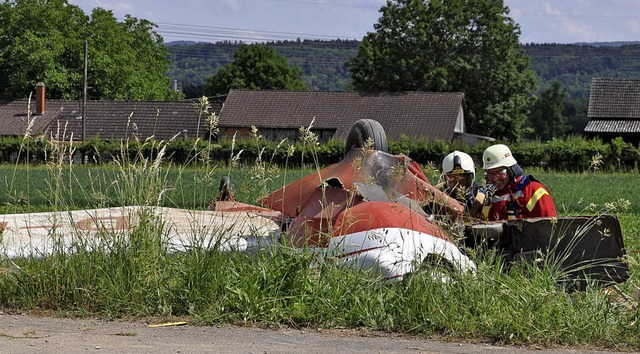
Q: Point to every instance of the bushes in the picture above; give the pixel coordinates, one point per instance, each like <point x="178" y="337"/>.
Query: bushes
<point x="574" y="154"/>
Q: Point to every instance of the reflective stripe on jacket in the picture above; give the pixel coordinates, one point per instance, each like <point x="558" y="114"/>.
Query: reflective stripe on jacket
<point x="524" y="198"/>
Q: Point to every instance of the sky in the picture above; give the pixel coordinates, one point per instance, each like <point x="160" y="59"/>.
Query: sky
<point x="550" y="21"/>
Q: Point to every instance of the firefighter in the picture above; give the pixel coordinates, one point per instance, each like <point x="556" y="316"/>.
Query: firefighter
<point x="510" y="193"/>
<point x="460" y="182"/>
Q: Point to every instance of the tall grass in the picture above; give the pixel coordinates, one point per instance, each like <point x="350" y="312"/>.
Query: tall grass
<point x="135" y="275"/>
<point x="521" y="306"/>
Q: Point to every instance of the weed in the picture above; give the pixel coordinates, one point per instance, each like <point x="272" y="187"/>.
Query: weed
<point x="139" y="273"/>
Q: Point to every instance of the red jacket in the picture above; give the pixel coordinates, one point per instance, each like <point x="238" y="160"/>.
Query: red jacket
<point x="523" y="198"/>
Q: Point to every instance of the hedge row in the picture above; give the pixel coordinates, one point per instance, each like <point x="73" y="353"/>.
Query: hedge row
<point x="571" y="154"/>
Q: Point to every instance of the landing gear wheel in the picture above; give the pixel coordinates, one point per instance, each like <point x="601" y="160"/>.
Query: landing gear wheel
<point x="364" y="129"/>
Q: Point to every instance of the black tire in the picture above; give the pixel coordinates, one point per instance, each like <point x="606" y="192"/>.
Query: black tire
<point x="364" y="129"/>
<point x="225" y="189"/>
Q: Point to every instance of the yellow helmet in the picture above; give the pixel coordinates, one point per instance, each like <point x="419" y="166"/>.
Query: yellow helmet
<point x="498" y="155"/>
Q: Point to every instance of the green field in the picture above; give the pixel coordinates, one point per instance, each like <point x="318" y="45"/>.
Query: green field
<point x="36" y="188"/>
<point x="43" y="188"/>
<point x="510" y="305"/>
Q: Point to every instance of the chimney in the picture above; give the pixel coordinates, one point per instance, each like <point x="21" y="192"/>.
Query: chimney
<point x="174" y="85"/>
<point x="40" y="98"/>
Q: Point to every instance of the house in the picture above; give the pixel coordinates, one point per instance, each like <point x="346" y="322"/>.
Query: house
<point x="277" y="114"/>
<point x="280" y="114"/>
<point x="614" y="109"/>
<point x="107" y="120"/>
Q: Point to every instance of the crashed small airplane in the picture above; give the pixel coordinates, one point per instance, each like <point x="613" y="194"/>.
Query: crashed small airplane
<point x="366" y="211"/>
<point x="371" y="210"/>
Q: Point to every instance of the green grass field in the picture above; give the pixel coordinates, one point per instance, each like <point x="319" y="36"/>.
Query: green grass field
<point x="515" y="305"/>
<point x="39" y="188"/>
<point x="33" y="188"/>
<point x="43" y="188"/>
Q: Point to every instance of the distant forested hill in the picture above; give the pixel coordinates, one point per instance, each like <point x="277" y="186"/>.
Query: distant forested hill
<point x="322" y="62"/>
<point x="574" y="65"/>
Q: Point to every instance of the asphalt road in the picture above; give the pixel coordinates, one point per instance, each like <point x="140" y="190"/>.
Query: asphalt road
<point x="34" y="334"/>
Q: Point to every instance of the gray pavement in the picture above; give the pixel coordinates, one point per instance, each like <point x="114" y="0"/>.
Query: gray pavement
<point x="33" y="334"/>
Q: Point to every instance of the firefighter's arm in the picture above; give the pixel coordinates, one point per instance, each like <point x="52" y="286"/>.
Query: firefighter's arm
<point x="541" y="204"/>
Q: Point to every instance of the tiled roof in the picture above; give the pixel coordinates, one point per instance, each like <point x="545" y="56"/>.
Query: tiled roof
<point x="107" y="119"/>
<point x="120" y="119"/>
<point x="428" y="115"/>
<point x="14" y="118"/>
<point x="614" y="99"/>
<point x="612" y="126"/>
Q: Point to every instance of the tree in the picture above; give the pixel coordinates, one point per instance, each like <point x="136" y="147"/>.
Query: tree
<point x="576" y="109"/>
<point x="547" y="118"/>
<point x="255" y="67"/>
<point x="468" y="46"/>
<point x="128" y="60"/>
<point x="193" y="90"/>
<point x="43" y="40"/>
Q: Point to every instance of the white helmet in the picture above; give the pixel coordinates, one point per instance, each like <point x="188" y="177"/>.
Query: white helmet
<point x="498" y="155"/>
<point x="459" y="163"/>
